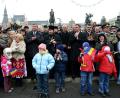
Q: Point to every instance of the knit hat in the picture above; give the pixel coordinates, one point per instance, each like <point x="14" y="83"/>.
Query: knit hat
<point x="42" y="46"/>
<point x="86" y="47"/>
<point x="86" y="44"/>
<point x="60" y="47"/>
<point x="106" y="49"/>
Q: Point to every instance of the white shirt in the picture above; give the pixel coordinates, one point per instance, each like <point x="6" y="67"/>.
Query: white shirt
<point x="118" y="46"/>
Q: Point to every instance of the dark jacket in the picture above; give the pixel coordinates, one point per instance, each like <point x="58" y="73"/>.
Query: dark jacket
<point x="75" y="44"/>
<point x="60" y="65"/>
<point x="50" y="46"/>
<point x="32" y="45"/>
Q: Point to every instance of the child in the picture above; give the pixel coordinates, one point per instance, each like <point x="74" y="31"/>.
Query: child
<point x="42" y="63"/>
<point x="106" y="68"/>
<point x="61" y="59"/>
<point x="6" y="66"/>
<point x="86" y="59"/>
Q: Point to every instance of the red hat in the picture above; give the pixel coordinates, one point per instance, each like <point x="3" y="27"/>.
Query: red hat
<point x="106" y="49"/>
<point x="42" y="46"/>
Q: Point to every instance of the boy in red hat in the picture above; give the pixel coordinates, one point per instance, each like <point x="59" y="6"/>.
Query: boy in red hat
<point x="106" y="68"/>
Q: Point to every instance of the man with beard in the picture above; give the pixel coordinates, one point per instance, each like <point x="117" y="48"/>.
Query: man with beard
<point x="51" y="40"/>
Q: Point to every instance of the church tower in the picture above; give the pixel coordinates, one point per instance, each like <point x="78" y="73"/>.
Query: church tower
<point x="5" y="19"/>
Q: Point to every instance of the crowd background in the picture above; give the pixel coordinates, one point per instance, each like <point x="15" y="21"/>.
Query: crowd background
<point x="72" y="39"/>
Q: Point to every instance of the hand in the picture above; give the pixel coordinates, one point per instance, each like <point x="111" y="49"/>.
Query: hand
<point x="33" y="38"/>
<point x="64" y="46"/>
<point x="81" y="54"/>
<point x="69" y="47"/>
<point x="54" y="42"/>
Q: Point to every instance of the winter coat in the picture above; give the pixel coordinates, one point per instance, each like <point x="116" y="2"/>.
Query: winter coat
<point x="60" y="64"/>
<point x="87" y="61"/>
<point x="18" y="49"/>
<point x="6" y="66"/>
<point x="43" y="63"/>
<point x="105" y="65"/>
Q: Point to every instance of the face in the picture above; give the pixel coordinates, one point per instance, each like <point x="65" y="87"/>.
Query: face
<point x="114" y="30"/>
<point x="55" y="30"/>
<point x="23" y="33"/>
<point x="8" y="53"/>
<point x="97" y="29"/>
<point x="58" y="51"/>
<point x="77" y="28"/>
<point x="89" y="28"/>
<point x="34" y="27"/>
<point x="12" y="35"/>
<point x="73" y="28"/>
<point x="45" y="29"/>
<point x="41" y="51"/>
<point x="65" y="28"/>
<point x="17" y="39"/>
<point x="101" y="38"/>
<point x="27" y="30"/>
<point x="118" y="34"/>
<point x="51" y="31"/>
<point x="106" y="29"/>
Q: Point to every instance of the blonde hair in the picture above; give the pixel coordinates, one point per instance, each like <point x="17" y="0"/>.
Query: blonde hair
<point x="20" y="36"/>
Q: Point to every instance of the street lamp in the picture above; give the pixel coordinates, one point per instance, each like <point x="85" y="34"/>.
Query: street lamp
<point x="60" y="21"/>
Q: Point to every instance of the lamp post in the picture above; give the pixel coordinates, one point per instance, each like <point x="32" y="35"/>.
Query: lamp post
<point x="60" y="21"/>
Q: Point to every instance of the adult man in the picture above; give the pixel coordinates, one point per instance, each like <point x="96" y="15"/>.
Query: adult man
<point x="91" y="36"/>
<point x="76" y="39"/>
<point x="33" y="39"/>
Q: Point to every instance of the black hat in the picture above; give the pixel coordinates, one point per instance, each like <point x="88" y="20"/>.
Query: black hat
<point x="51" y="27"/>
<point x="45" y="26"/>
<point x="55" y="27"/>
<point x="26" y="27"/>
<point x="60" y="47"/>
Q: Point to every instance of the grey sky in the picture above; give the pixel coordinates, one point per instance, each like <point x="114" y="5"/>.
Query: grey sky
<point x="64" y="9"/>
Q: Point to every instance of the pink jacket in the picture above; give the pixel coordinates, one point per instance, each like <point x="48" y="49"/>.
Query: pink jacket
<point x="6" y="66"/>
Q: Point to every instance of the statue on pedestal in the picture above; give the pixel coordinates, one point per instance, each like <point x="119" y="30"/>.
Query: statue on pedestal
<point x="52" y="17"/>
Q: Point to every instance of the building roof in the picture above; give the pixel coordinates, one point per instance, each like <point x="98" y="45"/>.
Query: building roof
<point x="38" y="22"/>
<point x="20" y="18"/>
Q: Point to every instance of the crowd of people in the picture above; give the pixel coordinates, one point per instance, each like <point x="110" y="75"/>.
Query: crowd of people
<point x="56" y="52"/>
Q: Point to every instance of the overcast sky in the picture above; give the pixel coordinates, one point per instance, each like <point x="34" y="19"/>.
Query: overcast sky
<point x="64" y="9"/>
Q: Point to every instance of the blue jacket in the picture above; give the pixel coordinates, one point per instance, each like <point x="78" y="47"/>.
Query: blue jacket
<point x="43" y="63"/>
<point x="60" y="65"/>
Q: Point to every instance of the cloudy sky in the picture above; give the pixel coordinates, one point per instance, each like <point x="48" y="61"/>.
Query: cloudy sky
<point x="64" y="9"/>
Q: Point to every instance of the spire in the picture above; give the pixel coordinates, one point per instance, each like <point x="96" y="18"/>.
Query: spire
<point x="5" y="18"/>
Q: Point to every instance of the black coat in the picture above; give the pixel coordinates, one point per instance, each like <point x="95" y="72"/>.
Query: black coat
<point x="64" y="37"/>
<point x="32" y="45"/>
<point x="76" y="44"/>
<point x="51" y="47"/>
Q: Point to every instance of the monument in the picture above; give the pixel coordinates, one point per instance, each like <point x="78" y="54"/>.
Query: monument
<point x="52" y="17"/>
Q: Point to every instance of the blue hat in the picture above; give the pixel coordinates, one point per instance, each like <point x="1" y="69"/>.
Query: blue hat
<point x="60" y="47"/>
<point x="86" y="47"/>
<point x="86" y="44"/>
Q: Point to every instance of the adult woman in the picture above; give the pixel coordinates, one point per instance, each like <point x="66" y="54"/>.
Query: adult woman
<point x="18" y="47"/>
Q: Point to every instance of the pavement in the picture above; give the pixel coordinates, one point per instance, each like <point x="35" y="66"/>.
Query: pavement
<point x="72" y="90"/>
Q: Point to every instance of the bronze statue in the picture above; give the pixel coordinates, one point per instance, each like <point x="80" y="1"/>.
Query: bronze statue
<point x="88" y="18"/>
<point x="52" y="17"/>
